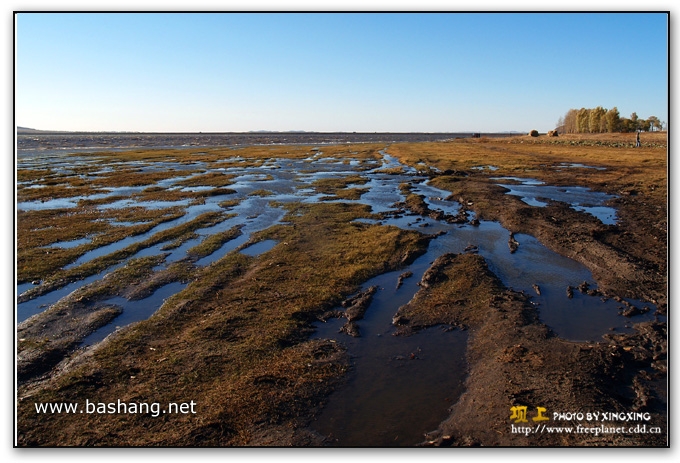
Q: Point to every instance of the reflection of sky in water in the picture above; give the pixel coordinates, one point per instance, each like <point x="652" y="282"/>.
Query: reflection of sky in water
<point x="382" y="374"/>
<point x="133" y="311"/>
<point x="576" y="165"/>
<point x="70" y="244"/>
<point x="292" y="179"/>
<point x="535" y="193"/>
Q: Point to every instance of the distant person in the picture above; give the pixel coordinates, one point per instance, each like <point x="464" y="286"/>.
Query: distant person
<point x="637" y="139"/>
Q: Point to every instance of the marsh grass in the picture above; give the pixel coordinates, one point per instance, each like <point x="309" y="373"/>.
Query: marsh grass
<point x="46" y="338"/>
<point x="134" y="177"/>
<point x="182" y="232"/>
<point x="216" y="179"/>
<point x="460" y="296"/>
<point x="214" y="242"/>
<point x="338" y="188"/>
<point x="229" y="203"/>
<point x="235" y="340"/>
<point x="261" y="192"/>
<point x="37" y="230"/>
<point x="54" y="192"/>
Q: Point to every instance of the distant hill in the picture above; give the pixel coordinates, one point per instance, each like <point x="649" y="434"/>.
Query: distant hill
<point x="24" y="130"/>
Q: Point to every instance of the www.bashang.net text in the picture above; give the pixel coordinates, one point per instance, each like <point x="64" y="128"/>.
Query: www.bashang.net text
<point x="154" y="409"/>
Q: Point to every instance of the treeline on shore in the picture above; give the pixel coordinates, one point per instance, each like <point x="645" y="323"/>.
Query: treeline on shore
<point x="601" y="120"/>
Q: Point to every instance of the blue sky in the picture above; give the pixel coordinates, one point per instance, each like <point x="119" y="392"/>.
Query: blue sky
<point x="427" y="72"/>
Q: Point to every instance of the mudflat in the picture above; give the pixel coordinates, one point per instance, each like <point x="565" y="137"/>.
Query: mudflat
<point x="580" y="330"/>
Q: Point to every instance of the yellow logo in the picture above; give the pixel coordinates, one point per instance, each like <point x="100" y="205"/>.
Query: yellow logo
<point x="519" y="414"/>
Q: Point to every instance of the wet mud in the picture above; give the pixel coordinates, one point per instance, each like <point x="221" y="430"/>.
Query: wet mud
<point x="348" y="296"/>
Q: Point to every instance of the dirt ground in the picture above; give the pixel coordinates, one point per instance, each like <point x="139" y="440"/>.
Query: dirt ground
<point x="514" y="359"/>
<point x="239" y="339"/>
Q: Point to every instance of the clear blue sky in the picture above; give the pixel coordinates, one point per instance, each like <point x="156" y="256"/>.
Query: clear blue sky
<point x="334" y="72"/>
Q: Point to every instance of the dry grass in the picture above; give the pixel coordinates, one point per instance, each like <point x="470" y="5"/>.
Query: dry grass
<point x="214" y="242"/>
<point x="37" y="230"/>
<point x="62" y="276"/>
<point x="234" y="341"/>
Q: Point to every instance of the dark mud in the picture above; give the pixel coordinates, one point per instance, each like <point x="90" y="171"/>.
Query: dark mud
<point x="515" y="360"/>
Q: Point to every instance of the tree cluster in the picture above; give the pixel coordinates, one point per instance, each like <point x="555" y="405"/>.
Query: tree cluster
<point x="600" y="120"/>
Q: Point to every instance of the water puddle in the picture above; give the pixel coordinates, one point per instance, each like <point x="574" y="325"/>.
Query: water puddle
<point x="37" y="305"/>
<point x="535" y="193"/>
<point x="124" y="203"/>
<point x="133" y="311"/>
<point x="70" y="244"/>
<point x="258" y="248"/>
<point x="576" y="165"/>
<point x="59" y="203"/>
<point x="399" y="387"/>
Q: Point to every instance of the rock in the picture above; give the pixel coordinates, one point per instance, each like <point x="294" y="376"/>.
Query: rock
<point x="330" y="314"/>
<point x="570" y="292"/>
<point x="552" y="133"/>
<point x="537" y="289"/>
<point x="631" y="311"/>
<point x="534" y="133"/>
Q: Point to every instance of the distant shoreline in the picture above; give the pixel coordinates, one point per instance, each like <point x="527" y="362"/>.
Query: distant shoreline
<point x="28" y="131"/>
<point x="97" y="141"/>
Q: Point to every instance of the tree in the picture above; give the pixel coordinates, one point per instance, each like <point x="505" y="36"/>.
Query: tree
<point x="644" y="124"/>
<point x="600" y="120"/>
<point x="613" y="120"/>
<point x="570" y="125"/>
<point x="627" y="125"/>
<point x="596" y="123"/>
<point x="583" y="120"/>
<point x="654" y="122"/>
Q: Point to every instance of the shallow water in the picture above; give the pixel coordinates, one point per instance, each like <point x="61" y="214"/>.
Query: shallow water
<point x="39" y="304"/>
<point x="133" y="311"/>
<point x="399" y="387"/>
<point x="532" y="264"/>
<point x="258" y="248"/>
<point x="535" y="193"/>
<point x="70" y="244"/>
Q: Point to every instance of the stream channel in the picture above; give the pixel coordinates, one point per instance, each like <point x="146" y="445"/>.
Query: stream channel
<point x="398" y="387"/>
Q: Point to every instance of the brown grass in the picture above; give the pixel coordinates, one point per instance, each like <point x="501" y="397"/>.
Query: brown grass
<point x="234" y="341"/>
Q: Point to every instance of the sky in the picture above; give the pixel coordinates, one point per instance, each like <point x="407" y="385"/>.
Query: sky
<point x="364" y="72"/>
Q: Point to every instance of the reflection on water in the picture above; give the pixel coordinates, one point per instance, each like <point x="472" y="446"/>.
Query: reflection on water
<point x="399" y="387"/>
<point x="133" y="311"/>
<point x="290" y="180"/>
<point x="535" y="193"/>
<point x="258" y="248"/>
